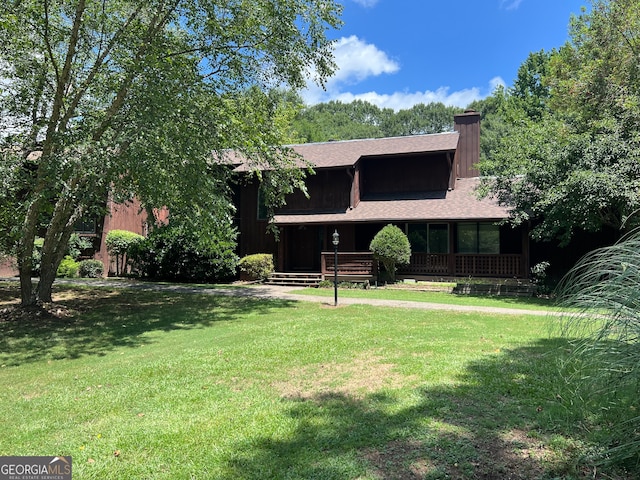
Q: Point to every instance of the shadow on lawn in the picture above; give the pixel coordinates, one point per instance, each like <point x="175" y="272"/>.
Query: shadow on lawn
<point x="97" y="321"/>
<point x="504" y="420"/>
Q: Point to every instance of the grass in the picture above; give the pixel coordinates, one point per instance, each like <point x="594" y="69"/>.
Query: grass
<point x="412" y="295"/>
<point x="158" y="385"/>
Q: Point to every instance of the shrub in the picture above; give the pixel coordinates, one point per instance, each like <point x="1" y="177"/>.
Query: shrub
<point x="391" y="247"/>
<point x="118" y="243"/>
<point x="77" y="245"/>
<point x="68" y="268"/>
<point x="257" y="266"/>
<point x="176" y="253"/>
<point x="91" y="269"/>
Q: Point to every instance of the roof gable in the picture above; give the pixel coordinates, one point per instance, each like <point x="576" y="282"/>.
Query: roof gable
<point x="347" y="153"/>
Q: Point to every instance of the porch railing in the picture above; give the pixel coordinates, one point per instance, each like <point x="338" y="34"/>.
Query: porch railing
<point x="427" y="264"/>
<point x="349" y="263"/>
<point x="488" y="265"/>
<point x="455" y="264"/>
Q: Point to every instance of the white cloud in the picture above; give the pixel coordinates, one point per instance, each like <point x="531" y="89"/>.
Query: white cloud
<point x="510" y="4"/>
<point x="358" y="60"/>
<point x="404" y="100"/>
<point x="366" y="3"/>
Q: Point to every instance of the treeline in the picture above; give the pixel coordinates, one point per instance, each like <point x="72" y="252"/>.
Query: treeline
<point x="360" y="119"/>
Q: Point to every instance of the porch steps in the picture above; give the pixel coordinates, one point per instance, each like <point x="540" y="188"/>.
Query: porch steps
<point x="295" y="279"/>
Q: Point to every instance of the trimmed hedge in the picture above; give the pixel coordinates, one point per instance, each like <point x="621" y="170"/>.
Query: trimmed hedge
<point x="257" y="266"/>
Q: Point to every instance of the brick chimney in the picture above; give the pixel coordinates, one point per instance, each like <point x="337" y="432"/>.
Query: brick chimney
<point x="467" y="124"/>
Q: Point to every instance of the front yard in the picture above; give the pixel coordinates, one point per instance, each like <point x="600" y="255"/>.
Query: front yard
<point x="157" y="385"/>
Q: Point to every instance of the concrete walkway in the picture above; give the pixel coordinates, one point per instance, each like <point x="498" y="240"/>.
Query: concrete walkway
<point x="285" y="293"/>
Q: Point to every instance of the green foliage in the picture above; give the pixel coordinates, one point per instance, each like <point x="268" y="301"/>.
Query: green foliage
<point x="177" y="253"/>
<point x="335" y="120"/>
<point x="36" y="255"/>
<point x="76" y="245"/>
<point x="345" y="285"/>
<point x="123" y="99"/>
<point x="257" y="266"/>
<point x="68" y="268"/>
<point x="568" y="154"/>
<point x="118" y="243"/>
<point x="391" y="247"/>
<point x="91" y="268"/>
<point x="604" y="291"/>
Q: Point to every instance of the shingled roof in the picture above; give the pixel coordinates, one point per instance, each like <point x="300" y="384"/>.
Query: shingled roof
<point x="347" y="153"/>
<point x="452" y="205"/>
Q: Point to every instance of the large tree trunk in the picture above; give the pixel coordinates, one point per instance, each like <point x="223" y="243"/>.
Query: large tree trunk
<point x="25" y="252"/>
<point x="27" y="296"/>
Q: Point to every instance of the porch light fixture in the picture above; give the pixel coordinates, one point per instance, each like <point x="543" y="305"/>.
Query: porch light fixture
<point x="335" y="240"/>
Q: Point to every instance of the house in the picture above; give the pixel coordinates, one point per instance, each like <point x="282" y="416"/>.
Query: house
<point x="424" y="184"/>
<point x="120" y="216"/>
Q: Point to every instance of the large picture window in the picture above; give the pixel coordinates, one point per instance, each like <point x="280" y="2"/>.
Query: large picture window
<point x="478" y="237"/>
<point x="429" y="238"/>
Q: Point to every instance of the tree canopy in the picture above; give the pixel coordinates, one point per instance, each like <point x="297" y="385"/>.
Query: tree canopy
<point x="128" y="98"/>
<point x="569" y="155"/>
<point x="335" y="120"/>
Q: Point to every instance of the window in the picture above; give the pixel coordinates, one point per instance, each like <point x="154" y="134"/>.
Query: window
<point x="429" y="238"/>
<point x="480" y="237"/>
<point x="85" y="225"/>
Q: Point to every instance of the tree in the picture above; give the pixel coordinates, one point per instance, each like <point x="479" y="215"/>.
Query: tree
<point x="335" y="120"/>
<point x="118" y="243"/>
<point x="391" y="247"/>
<point x="571" y="157"/>
<point x="420" y="119"/>
<point x="128" y="98"/>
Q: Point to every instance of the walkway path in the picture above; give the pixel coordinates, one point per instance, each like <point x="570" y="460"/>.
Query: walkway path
<point x="285" y="293"/>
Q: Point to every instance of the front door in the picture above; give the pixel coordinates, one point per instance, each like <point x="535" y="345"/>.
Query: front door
<point x="304" y="249"/>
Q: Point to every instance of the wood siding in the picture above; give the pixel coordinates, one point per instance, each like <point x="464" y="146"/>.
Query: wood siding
<point x="329" y="190"/>
<point x="254" y="236"/>
<point x="407" y="174"/>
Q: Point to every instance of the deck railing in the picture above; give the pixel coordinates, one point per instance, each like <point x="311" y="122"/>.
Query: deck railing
<point x="488" y="265"/>
<point x="349" y="263"/>
<point x="455" y="264"/>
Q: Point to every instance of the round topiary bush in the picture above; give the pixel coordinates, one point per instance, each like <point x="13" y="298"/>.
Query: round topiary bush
<point x="391" y="247"/>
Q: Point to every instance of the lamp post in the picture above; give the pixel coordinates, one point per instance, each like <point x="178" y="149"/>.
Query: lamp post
<point x="335" y="241"/>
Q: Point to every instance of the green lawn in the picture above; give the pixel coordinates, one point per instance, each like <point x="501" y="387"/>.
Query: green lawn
<point x="139" y="384"/>
<point x="414" y="295"/>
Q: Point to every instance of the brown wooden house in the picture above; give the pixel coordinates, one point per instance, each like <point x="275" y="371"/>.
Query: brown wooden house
<point x="425" y="184"/>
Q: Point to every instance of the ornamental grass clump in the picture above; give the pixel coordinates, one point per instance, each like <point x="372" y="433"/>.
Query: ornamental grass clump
<point x="603" y="289"/>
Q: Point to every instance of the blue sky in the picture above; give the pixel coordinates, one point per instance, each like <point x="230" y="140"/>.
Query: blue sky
<point x="396" y="53"/>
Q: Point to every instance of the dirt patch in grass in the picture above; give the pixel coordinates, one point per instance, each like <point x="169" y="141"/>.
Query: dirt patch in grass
<point x="400" y="460"/>
<point x="66" y="305"/>
<point x="514" y="456"/>
<point x="365" y="374"/>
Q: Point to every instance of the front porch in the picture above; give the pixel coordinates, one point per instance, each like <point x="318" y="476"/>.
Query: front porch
<point x="362" y="265"/>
